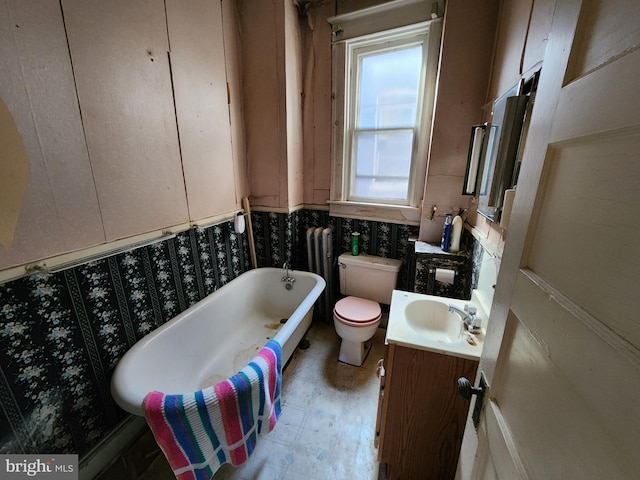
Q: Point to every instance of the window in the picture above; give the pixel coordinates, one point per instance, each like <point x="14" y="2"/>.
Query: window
<point x="385" y="88"/>
<point x="383" y="100"/>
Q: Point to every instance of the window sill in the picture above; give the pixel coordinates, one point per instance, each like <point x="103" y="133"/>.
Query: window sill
<point x="376" y="212"/>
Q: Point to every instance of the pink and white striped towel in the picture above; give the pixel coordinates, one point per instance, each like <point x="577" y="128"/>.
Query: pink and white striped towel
<point x="200" y="431"/>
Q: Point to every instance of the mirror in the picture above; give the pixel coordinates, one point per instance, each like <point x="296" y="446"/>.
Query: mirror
<point x="473" y="159"/>
<point x="499" y="151"/>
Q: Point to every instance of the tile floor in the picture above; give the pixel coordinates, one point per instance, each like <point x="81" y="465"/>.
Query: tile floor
<point x="327" y="425"/>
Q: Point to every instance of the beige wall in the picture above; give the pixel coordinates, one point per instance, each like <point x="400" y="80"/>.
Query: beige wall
<point x="135" y="140"/>
<point x="317" y="105"/>
<point x="294" y="63"/>
<point x="472" y="75"/>
<point x="56" y="205"/>
<point x="272" y="61"/>
<point x="523" y="29"/>
<point x="277" y="134"/>
<point x="263" y="94"/>
<point x="468" y="44"/>
<point x="469" y="34"/>
<point x="200" y="92"/>
<point x="286" y="61"/>
<point x="232" y="46"/>
<point x="466" y="52"/>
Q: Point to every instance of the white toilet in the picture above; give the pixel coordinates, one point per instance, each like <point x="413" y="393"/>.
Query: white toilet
<point x="367" y="281"/>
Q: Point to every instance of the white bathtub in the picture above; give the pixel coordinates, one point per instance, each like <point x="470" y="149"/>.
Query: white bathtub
<point x="218" y="336"/>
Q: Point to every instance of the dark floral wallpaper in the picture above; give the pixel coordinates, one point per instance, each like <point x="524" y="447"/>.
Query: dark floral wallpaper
<point x="281" y="238"/>
<point x="466" y="278"/>
<point x="62" y="334"/>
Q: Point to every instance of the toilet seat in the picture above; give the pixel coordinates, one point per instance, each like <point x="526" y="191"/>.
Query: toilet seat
<point x="357" y="312"/>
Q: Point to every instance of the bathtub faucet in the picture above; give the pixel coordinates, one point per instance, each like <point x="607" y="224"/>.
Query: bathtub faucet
<point x="468" y="317"/>
<point x="286" y="277"/>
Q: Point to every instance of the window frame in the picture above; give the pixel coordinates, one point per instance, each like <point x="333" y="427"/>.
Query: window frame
<point x="348" y="36"/>
<point x="355" y="49"/>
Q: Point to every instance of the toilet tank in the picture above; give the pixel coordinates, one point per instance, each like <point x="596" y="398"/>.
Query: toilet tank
<point x="368" y="276"/>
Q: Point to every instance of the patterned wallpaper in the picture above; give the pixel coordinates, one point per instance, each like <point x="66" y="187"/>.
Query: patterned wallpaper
<point x="62" y="334"/>
<point x="466" y="278"/>
<point x="282" y="237"/>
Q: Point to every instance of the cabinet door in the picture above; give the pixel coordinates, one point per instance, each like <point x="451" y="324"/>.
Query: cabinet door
<point x="200" y="88"/>
<point x="424" y="419"/>
<point x="51" y="207"/>
<point x="119" y="53"/>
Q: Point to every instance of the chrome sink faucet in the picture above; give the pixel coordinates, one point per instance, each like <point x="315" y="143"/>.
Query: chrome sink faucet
<point x="468" y="317"/>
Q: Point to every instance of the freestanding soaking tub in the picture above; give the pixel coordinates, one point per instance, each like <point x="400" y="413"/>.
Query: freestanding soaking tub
<point x="218" y="336"/>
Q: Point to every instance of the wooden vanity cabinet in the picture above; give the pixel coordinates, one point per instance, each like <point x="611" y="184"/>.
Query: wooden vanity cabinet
<point x="421" y="419"/>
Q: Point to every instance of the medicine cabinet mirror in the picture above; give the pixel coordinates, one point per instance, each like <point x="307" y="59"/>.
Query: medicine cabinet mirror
<point x="496" y="161"/>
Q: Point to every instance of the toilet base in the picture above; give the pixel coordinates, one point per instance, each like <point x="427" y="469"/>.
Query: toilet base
<point x="354" y="353"/>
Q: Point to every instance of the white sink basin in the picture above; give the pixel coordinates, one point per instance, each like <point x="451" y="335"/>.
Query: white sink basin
<point x="425" y="322"/>
<point x="434" y="318"/>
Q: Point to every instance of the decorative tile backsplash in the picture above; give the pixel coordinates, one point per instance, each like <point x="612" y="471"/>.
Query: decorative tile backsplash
<point x="62" y="334"/>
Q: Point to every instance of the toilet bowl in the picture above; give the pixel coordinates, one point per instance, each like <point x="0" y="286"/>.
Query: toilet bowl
<point x="356" y="321"/>
<point x="366" y="281"/>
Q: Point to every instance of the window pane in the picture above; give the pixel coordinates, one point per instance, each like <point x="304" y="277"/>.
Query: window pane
<point x="383" y="163"/>
<point x="388" y="88"/>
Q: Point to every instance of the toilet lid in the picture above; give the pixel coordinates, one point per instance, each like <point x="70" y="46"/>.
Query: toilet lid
<point x="356" y="309"/>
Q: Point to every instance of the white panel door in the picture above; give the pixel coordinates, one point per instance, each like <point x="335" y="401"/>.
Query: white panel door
<point x="562" y="355"/>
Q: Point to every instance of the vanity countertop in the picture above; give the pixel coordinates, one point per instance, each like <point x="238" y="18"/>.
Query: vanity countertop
<point x="424" y="322"/>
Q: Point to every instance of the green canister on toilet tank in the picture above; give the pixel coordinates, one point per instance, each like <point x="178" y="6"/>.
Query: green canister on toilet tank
<point x="355" y="244"/>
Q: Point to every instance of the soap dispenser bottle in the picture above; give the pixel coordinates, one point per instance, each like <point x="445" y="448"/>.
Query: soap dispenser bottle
<point x="456" y="233"/>
<point x="446" y="233"/>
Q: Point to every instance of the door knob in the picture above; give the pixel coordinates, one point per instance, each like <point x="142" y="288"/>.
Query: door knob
<point x="465" y="390"/>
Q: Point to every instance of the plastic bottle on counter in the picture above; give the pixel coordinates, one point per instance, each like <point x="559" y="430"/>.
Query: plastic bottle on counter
<point x="446" y="233"/>
<point x="456" y="233"/>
